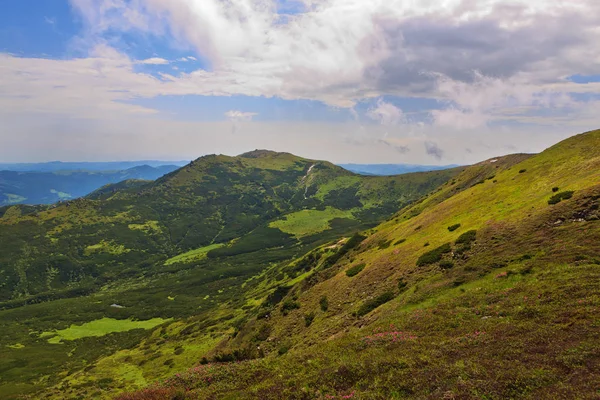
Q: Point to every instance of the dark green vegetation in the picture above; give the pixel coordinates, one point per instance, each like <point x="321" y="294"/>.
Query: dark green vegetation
<point x="51" y="187"/>
<point x="202" y="252"/>
<point x="558" y="197"/>
<point x="353" y="271"/>
<point x="514" y="317"/>
<point x="433" y="256"/>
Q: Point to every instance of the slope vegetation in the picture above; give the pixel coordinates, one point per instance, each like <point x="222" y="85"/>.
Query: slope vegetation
<point x="488" y="288"/>
<point x="195" y="252"/>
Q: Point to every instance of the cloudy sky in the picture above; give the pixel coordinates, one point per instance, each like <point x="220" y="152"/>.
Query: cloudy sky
<point x="396" y="81"/>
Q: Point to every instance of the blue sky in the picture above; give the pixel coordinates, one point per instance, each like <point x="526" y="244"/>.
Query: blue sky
<point x="345" y="80"/>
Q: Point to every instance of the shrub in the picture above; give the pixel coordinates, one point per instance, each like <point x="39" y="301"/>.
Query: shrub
<point x="355" y="270"/>
<point x="467" y="237"/>
<point x="555" y="189"/>
<point x="385" y="244"/>
<point x="446" y="264"/>
<point x="522" y="171"/>
<point x="399" y="241"/>
<point x="178" y="350"/>
<point x="558" y="197"/>
<point x="402" y="285"/>
<point x="433" y="256"/>
<point x="263" y="333"/>
<point x="283" y="349"/>
<point x="288" y="306"/>
<point x="372" y="304"/>
<point x="454" y="227"/>
<point x="426" y="244"/>
<point x="308" y="319"/>
<point x="324" y="303"/>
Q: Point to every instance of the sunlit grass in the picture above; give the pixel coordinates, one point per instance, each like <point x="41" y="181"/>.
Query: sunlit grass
<point x="100" y="327"/>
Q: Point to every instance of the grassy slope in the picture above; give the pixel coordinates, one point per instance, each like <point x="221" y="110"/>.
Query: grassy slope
<point x="66" y="265"/>
<point x="513" y="315"/>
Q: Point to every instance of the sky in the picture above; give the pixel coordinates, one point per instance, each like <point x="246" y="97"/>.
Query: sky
<point x="378" y="81"/>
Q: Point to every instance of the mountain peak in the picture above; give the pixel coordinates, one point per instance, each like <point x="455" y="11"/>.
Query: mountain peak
<point x="262" y="153"/>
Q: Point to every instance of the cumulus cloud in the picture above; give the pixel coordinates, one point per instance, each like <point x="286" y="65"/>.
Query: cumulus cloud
<point x="385" y="113"/>
<point x="485" y="62"/>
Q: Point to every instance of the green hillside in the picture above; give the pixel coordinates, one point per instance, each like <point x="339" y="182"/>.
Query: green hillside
<point x="92" y="289"/>
<point x="488" y="288"/>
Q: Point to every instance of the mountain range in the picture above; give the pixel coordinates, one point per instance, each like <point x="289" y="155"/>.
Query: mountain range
<point x="392" y="169"/>
<point x="35" y="187"/>
<point x="271" y="276"/>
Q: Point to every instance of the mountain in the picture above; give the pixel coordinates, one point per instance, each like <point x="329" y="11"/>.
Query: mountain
<point x="489" y="287"/>
<point x="85" y="280"/>
<point x="51" y="187"/>
<point x="392" y="169"/>
<point x="56" y="166"/>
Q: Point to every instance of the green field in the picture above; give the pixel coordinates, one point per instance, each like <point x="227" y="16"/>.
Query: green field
<point x="308" y="222"/>
<point x="100" y="327"/>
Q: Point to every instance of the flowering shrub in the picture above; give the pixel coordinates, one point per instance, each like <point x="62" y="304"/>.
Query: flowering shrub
<point x="391" y="336"/>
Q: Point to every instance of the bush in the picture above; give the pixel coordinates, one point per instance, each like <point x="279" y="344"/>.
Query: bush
<point x="522" y="171"/>
<point x="467" y="237"/>
<point x="283" y="349"/>
<point x="288" y="306"/>
<point x="324" y="303"/>
<point x="372" y="304"/>
<point x="263" y="333"/>
<point x="433" y="256"/>
<point x="399" y="241"/>
<point x="178" y="350"/>
<point x="555" y="189"/>
<point x="308" y="319"/>
<point x="557" y="198"/>
<point x="454" y="227"/>
<point x="402" y="285"/>
<point x="385" y="244"/>
<point x="355" y="270"/>
<point x="446" y="264"/>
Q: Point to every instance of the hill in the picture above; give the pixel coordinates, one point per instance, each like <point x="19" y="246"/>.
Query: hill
<point x="487" y="288"/>
<point x="51" y="187"/>
<point x="84" y="280"/>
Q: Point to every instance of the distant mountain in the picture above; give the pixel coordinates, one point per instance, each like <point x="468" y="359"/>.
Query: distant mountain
<point x="85" y="166"/>
<point x="392" y="169"/>
<point x="49" y="187"/>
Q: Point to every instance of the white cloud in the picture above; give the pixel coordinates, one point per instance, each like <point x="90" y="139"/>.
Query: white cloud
<point x="386" y="113"/>
<point x="236" y="115"/>
<point x="154" y="61"/>
<point x="338" y="52"/>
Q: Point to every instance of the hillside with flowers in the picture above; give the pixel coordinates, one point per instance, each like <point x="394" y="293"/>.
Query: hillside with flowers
<point x="487" y="288"/>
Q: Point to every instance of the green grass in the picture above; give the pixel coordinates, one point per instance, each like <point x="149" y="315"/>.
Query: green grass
<point x="309" y="222"/>
<point x="514" y="317"/>
<point x="99" y="327"/>
<point x="524" y="280"/>
<point x="193" y="255"/>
